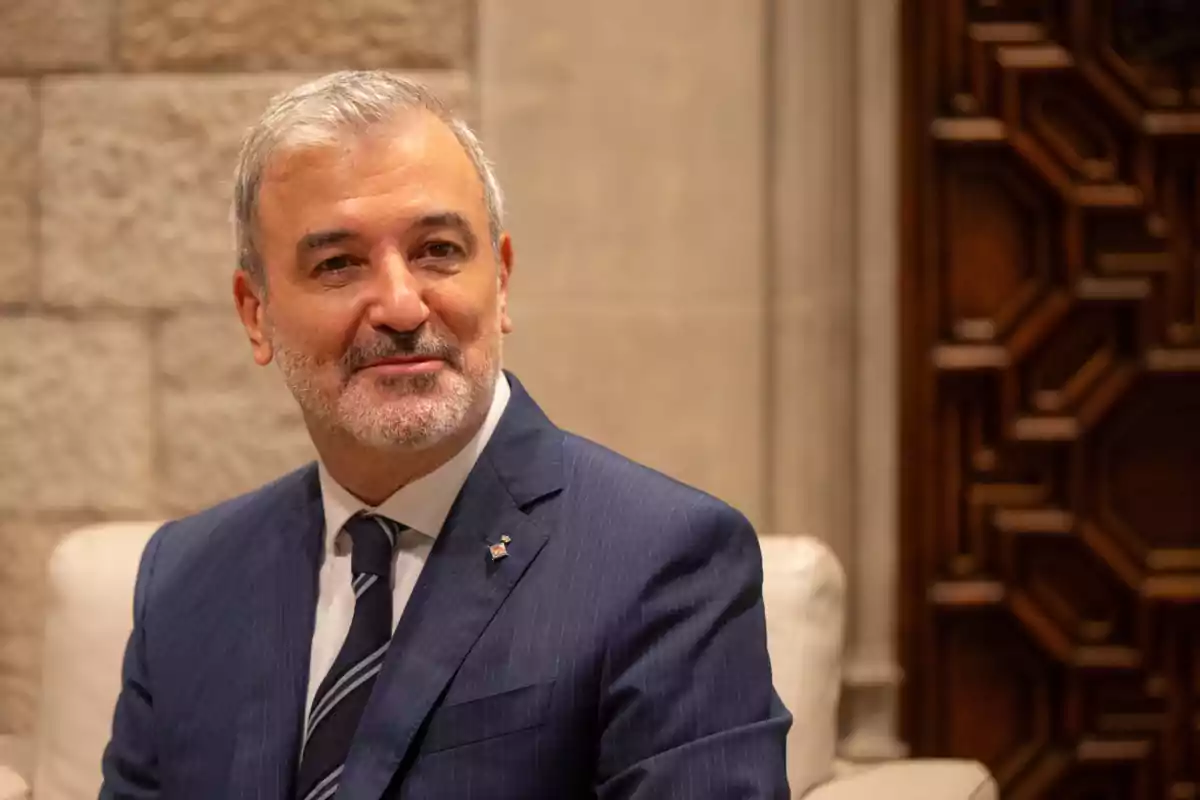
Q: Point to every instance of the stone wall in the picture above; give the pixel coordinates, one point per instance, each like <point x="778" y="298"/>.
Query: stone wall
<point x="126" y="388"/>
<point x="630" y="140"/>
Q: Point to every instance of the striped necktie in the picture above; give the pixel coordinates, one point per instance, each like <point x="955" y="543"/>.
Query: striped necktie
<point x="342" y="696"/>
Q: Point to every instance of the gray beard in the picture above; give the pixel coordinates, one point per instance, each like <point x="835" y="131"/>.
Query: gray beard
<point x="416" y="413"/>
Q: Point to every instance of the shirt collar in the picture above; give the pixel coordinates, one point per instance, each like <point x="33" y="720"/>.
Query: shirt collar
<point x="424" y="504"/>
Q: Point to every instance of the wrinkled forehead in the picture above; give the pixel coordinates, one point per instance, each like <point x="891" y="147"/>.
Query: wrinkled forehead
<point x="413" y="159"/>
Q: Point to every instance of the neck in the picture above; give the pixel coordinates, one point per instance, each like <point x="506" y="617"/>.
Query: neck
<point x="372" y="474"/>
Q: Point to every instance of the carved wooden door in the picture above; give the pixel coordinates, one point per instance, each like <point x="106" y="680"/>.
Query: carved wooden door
<point x="1051" y="392"/>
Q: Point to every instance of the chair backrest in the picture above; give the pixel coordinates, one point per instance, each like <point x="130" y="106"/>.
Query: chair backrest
<point x="88" y="620"/>
<point x="90" y="615"/>
<point x="804" y="590"/>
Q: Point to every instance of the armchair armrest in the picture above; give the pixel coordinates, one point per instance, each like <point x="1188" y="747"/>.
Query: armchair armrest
<point x="918" y="779"/>
<point x="12" y="785"/>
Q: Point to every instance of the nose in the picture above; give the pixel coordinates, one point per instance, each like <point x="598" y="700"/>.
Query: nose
<point x="398" y="303"/>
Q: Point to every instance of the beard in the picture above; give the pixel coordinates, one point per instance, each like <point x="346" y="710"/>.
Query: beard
<point x="410" y="412"/>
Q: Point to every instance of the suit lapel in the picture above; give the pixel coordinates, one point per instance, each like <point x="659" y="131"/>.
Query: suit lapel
<point x="281" y="577"/>
<point x="460" y="590"/>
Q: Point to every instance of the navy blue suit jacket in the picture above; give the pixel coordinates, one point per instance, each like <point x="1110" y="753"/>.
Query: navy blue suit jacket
<point x="619" y="651"/>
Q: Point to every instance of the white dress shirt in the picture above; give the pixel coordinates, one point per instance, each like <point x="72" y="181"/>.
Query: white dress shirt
<point x="422" y="506"/>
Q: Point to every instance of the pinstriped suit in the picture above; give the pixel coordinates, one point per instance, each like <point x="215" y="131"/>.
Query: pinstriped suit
<point x="618" y="651"/>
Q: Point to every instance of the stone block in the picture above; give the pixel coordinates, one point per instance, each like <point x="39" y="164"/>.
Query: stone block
<point x="25" y="548"/>
<point x="208" y="350"/>
<point x="37" y="35"/>
<point x="630" y="138"/>
<point x="74" y="414"/>
<point x="137" y="179"/>
<point x="228" y="426"/>
<point x="257" y="35"/>
<point x="18" y="165"/>
<point x="680" y="391"/>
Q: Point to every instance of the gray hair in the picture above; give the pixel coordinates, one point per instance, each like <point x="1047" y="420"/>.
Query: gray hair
<point x="321" y="111"/>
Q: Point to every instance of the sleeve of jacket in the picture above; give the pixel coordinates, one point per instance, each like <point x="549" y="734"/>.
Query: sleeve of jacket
<point x="130" y="763"/>
<point x="688" y="707"/>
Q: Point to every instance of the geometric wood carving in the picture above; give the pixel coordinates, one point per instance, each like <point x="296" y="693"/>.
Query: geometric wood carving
<point x="1051" y="392"/>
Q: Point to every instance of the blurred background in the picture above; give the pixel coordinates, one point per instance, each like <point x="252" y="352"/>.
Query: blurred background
<point x="916" y="277"/>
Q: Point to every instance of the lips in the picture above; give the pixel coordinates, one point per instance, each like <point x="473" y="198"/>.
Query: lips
<point x="419" y="365"/>
<point x="403" y="360"/>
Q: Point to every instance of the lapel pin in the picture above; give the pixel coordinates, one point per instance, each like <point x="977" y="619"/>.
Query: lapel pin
<point x="498" y="551"/>
<point x="505" y="539"/>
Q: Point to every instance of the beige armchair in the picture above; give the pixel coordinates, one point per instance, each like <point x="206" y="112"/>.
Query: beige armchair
<point x="804" y="589"/>
<point x="89" y="617"/>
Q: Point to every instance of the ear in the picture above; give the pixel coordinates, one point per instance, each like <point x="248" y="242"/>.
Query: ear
<point x="506" y="266"/>
<point x="249" y="299"/>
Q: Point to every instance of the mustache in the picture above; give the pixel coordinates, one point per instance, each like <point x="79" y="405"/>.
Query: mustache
<point x="421" y="342"/>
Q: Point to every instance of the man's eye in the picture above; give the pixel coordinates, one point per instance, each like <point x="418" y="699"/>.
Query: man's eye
<point x="441" y="250"/>
<point x="334" y="264"/>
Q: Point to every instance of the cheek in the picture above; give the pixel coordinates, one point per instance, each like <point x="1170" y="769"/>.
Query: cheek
<point x="470" y="312"/>
<point x="321" y="333"/>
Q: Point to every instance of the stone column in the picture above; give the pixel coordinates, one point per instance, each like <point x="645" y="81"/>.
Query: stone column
<point x="812" y="279"/>
<point x="872" y="662"/>
<point x="834" y="404"/>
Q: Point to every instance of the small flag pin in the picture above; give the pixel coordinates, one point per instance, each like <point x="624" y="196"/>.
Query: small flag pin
<point x="498" y="551"/>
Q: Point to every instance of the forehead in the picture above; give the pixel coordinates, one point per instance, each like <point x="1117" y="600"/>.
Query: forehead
<point x="406" y="166"/>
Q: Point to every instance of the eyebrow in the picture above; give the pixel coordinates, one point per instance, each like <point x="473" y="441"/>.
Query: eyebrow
<point x="450" y="219"/>
<point x="318" y="239"/>
<point x="446" y="219"/>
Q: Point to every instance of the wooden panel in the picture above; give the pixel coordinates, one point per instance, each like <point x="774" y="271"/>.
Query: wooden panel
<point x="1051" y="392"/>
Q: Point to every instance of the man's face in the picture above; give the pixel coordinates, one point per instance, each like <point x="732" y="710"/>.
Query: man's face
<point x="385" y="301"/>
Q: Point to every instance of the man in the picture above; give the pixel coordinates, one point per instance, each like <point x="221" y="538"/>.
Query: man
<point x="459" y="600"/>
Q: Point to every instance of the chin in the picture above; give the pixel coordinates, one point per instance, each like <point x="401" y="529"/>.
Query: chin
<point x="406" y="423"/>
<point x="407" y="440"/>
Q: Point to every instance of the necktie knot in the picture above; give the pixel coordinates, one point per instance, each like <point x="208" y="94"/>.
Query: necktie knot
<point x="373" y="541"/>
